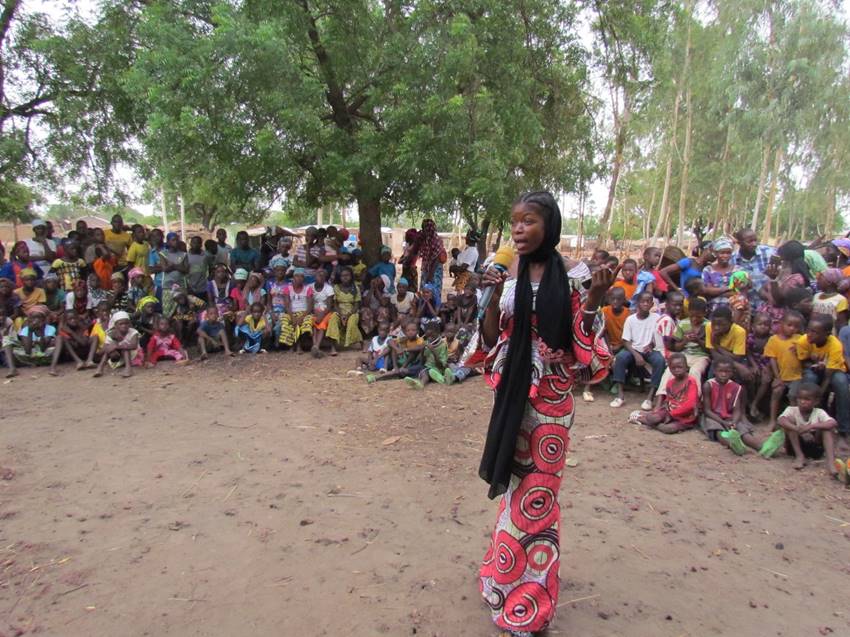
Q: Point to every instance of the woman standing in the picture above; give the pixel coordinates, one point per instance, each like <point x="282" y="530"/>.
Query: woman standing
<point x="433" y="255"/>
<point x="542" y="342"/>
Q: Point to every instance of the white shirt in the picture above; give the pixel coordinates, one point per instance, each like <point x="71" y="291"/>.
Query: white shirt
<point x="641" y="332"/>
<point x="37" y="252"/>
<point x="298" y="300"/>
<point x="469" y="256"/>
<point x="321" y="297"/>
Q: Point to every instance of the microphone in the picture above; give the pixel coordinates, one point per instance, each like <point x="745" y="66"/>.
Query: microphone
<point x="501" y="262"/>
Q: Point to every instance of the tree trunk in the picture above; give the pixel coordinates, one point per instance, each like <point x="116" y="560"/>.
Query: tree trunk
<point x="647" y="221"/>
<point x="686" y="79"/>
<point x="760" y="191"/>
<point x="369" y="211"/>
<point x="619" y="144"/>
<point x="686" y="159"/>
<point x="722" y="184"/>
<point x="665" y="193"/>
<point x="483" y="248"/>
<point x="771" y="198"/>
<point x="165" y="228"/>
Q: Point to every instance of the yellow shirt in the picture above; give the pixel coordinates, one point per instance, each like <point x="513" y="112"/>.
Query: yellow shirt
<point x="784" y="350"/>
<point x="831" y="352"/>
<point x="735" y="340"/>
<point x="118" y="242"/>
<point x="98" y="331"/>
<point x="137" y="255"/>
<point x="28" y="301"/>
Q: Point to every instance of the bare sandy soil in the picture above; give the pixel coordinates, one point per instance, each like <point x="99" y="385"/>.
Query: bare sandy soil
<point x="280" y="496"/>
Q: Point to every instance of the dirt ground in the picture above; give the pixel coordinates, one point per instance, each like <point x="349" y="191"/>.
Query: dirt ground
<point x="280" y="496"/>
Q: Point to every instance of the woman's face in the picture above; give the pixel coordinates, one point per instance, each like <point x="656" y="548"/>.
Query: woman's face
<point x="527" y="228"/>
<point x="98" y="235"/>
<point x="402" y="288"/>
<point x="5" y="287"/>
<point x="156" y="237"/>
<point x="724" y="257"/>
<point x="298" y="279"/>
<point x="122" y="327"/>
<point x="345" y="277"/>
<point x="22" y="252"/>
<point x="321" y="277"/>
<point x="35" y="321"/>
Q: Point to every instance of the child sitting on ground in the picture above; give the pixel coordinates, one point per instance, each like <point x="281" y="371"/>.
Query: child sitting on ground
<point x="33" y="344"/>
<point x="726" y="341"/>
<point x="73" y="340"/>
<point x="406" y="354"/>
<point x="759" y="364"/>
<point x="809" y="429"/>
<point x="467" y="303"/>
<point x="614" y="314"/>
<point x="97" y="333"/>
<point x="253" y="329"/>
<point x="403" y="300"/>
<point x="448" y="309"/>
<point x="121" y="346"/>
<point x="212" y="333"/>
<point x="164" y="345"/>
<point x="435" y="356"/>
<point x="723" y="415"/>
<point x="679" y="406"/>
<point x="185" y="316"/>
<point x="640" y="348"/>
<point x="786" y="368"/>
<point x="377" y="359"/>
<point x="144" y="319"/>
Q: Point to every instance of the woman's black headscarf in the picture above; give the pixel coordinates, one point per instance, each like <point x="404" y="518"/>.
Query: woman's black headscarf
<point x="554" y="326"/>
<point x="794" y="253"/>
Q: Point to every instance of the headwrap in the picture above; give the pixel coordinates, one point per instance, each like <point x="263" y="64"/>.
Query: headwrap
<point x="50" y="276"/>
<point x="385" y="249"/>
<point x="793" y="253"/>
<point x="723" y="243"/>
<point x="815" y="261"/>
<point x="37" y="223"/>
<point x="144" y="301"/>
<point x="117" y="276"/>
<point x="410" y="236"/>
<point x="843" y="245"/>
<point x="134" y="273"/>
<point x="738" y="279"/>
<point x="430" y="245"/>
<point x="554" y="328"/>
<point x="170" y="236"/>
<point x="435" y="294"/>
<point x="38" y="309"/>
<point x="298" y="271"/>
<point x="403" y="281"/>
<point x="28" y="272"/>
<point x="118" y="316"/>
<point x="241" y="274"/>
<point x="832" y="276"/>
<point x="258" y="276"/>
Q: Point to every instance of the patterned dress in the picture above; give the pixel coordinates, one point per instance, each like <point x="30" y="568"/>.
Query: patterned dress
<point x="519" y="578"/>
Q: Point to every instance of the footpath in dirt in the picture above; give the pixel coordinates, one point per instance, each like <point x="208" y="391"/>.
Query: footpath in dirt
<point x="279" y="495"/>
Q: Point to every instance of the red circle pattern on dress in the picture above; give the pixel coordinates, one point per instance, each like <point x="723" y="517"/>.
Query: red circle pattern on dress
<point x="554" y="398"/>
<point x="527" y="607"/>
<point x="510" y="559"/>
<point x="549" y="444"/>
<point x="534" y="503"/>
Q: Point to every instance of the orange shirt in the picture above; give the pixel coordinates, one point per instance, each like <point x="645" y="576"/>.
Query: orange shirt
<point x="104" y="267"/>
<point x="614" y="326"/>
<point x="628" y="288"/>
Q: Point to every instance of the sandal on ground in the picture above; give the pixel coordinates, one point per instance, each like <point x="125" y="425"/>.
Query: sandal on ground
<point x="774" y="442"/>
<point x="587" y="396"/>
<point x="734" y="439"/>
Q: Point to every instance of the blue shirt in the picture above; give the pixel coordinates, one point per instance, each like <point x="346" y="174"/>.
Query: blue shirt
<point x="688" y="272"/>
<point x="247" y="259"/>
<point x="384" y="268"/>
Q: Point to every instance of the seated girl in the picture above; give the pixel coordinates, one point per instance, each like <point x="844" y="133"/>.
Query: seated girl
<point x="448" y="309"/>
<point x="33" y="345"/>
<point x="296" y="324"/>
<point x="73" y="340"/>
<point x="403" y="300"/>
<point x="435" y="357"/>
<point x="371" y="301"/>
<point x="212" y="333"/>
<point x="253" y="329"/>
<point x="218" y="289"/>
<point x="762" y="374"/>
<point x="121" y="347"/>
<point x="323" y="295"/>
<point x="185" y="316"/>
<point x="377" y="359"/>
<point x="164" y="345"/>
<point x="679" y="407"/>
<point x="429" y="303"/>
<point x="54" y="298"/>
<point x="144" y="319"/>
<point x="405" y="353"/>
<point x="739" y="301"/>
<point x="467" y="303"/>
<point x="97" y="333"/>
<point x="344" y="323"/>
